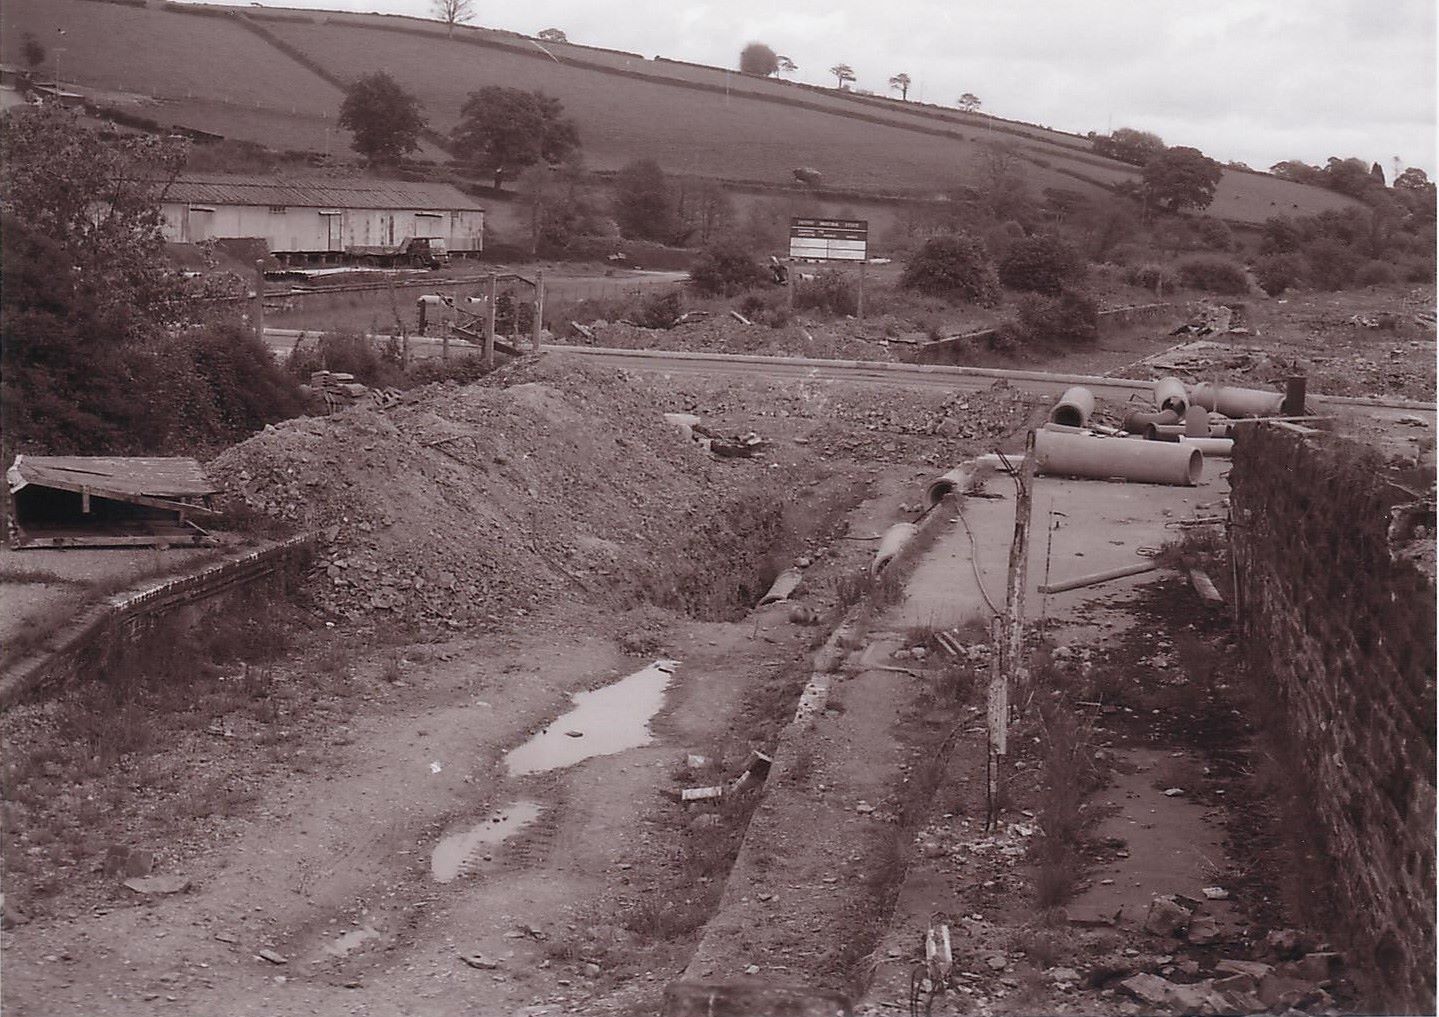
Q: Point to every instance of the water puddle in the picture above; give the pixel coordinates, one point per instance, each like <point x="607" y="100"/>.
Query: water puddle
<point x="603" y="722"/>
<point x="351" y="941"/>
<point x="452" y="853"/>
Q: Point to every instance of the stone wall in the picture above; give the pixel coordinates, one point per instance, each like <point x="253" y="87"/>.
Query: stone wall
<point x="1347" y="635"/>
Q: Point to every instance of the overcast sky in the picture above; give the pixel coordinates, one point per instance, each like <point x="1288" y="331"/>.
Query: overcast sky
<point x="1251" y="80"/>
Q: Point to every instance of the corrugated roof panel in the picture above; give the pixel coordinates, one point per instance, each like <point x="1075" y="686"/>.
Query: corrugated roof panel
<point x="341" y="192"/>
<point x="167" y="477"/>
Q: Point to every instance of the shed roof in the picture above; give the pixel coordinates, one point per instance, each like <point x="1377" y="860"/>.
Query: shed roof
<point x="321" y="192"/>
<point x="114" y="476"/>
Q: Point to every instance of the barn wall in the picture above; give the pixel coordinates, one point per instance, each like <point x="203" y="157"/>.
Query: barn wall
<point x="300" y="229"/>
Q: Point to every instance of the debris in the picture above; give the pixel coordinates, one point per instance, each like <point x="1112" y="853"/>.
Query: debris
<point x="694" y="762"/>
<point x="1288" y="944"/>
<point x="1062" y="976"/>
<point x="1094" y="579"/>
<point x="158" y="884"/>
<point x="699" y="794"/>
<point x="583" y="330"/>
<point x="271" y="956"/>
<point x="864" y="808"/>
<point x="1202" y="930"/>
<point x="139" y="862"/>
<point x="1149" y="989"/>
<point x="226" y="937"/>
<point x="996" y="962"/>
<point x="1166" y="917"/>
<point x="1173" y="792"/>
<point x="435" y="768"/>
<point x="574" y="734"/>
<point x="1215" y="893"/>
<point x="783" y="587"/>
<point x="1253" y="969"/>
<point x="479" y="960"/>
<point x="753" y="969"/>
<point x="1320" y="967"/>
<point x="801" y="615"/>
<point x="740" y="318"/>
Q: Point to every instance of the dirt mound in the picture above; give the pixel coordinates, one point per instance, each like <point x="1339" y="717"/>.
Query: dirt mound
<point x="463" y="503"/>
<point x="723" y="334"/>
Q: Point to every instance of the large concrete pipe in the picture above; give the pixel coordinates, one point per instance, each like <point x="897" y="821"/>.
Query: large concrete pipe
<point x="785" y="583"/>
<point x="1147" y="462"/>
<point x="1163" y="432"/>
<point x="891" y="544"/>
<point x="1237" y="402"/>
<point x="966" y="478"/>
<point x="1223" y="447"/>
<point x="1138" y="421"/>
<point x="1169" y="394"/>
<point x="1074" y="407"/>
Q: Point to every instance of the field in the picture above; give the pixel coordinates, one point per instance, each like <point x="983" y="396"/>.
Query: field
<point x="203" y="68"/>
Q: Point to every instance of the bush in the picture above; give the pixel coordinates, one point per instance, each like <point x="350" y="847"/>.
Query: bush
<point x="828" y="292"/>
<point x="767" y="308"/>
<point x="1039" y="265"/>
<point x="1153" y="276"/>
<point x="348" y="353"/>
<point x="1332" y="263"/>
<point x="1215" y="234"/>
<point x="513" y="315"/>
<point x="1376" y="273"/>
<point x="1214" y="275"/>
<point x="1070" y="320"/>
<point x="1278" y="272"/>
<point x="954" y="267"/>
<point x="660" y="310"/>
<point x="464" y="370"/>
<point x="725" y="269"/>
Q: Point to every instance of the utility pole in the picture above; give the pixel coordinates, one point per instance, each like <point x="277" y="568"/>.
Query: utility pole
<point x="257" y="304"/>
<point x="1008" y="665"/>
<point x="490" y="324"/>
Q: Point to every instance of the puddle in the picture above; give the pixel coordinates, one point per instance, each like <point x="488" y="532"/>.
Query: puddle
<point x="603" y="722"/>
<point x="351" y="941"/>
<point x="452" y="852"/>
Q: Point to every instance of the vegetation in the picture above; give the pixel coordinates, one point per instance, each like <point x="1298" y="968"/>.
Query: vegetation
<point x="553" y="35"/>
<point x="969" y="102"/>
<point x="1070" y="320"/>
<point x="644" y="207"/>
<point x="757" y="58"/>
<point x="1128" y="145"/>
<point x="453" y="12"/>
<point x="842" y="73"/>
<point x="830" y="292"/>
<point x="1214" y="275"/>
<point x="1039" y="264"/>
<point x="1180" y="178"/>
<point x="386" y="121"/>
<point x="725" y="269"/>
<point x="900" y="83"/>
<point x="955" y="267"/>
<point x="1278" y="272"/>
<point x="504" y="130"/>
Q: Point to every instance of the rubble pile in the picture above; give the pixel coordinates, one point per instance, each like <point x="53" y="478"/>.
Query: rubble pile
<point x="464" y="503"/>
<point x="827" y="341"/>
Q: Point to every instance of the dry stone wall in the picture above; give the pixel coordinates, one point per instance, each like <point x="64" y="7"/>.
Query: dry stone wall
<point x="1347" y="633"/>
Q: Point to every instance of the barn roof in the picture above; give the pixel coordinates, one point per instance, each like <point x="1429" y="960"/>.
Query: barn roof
<point x="321" y="192"/>
<point x="120" y="477"/>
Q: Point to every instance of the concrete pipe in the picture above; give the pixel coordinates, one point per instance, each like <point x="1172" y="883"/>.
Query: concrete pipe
<point x="1067" y="429"/>
<point x="683" y="422"/>
<point x="1196" y="422"/>
<point x="1146" y="462"/>
<point x="891" y="544"/>
<point x="1237" y="402"/>
<point x="1170" y="394"/>
<point x="963" y="479"/>
<point x="1222" y="447"/>
<point x="1137" y="421"/>
<point x="1163" y="432"/>
<point x="785" y="583"/>
<point x="1074" y="407"/>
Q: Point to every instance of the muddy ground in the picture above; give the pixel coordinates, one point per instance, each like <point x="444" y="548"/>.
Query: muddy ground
<point x="322" y="817"/>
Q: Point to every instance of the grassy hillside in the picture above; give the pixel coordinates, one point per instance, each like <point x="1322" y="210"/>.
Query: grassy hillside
<point x="273" y="76"/>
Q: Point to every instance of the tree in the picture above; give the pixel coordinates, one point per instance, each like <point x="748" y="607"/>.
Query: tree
<point x="954" y="267"/>
<point x="385" y="120"/>
<point x="503" y="130"/>
<point x="902" y="83"/>
<point x="1414" y="179"/>
<point x="969" y="102"/>
<point x="1129" y="145"/>
<point x="1041" y="264"/>
<point x="33" y="51"/>
<point x="1181" y="177"/>
<point x="1298" y="171"/>
<point x="725" y="269"/>
<point x="786" y="65"/>
<point x="842" y="73"/>
<point x="1349" y="176"/>
<point x="643" y="205"/>
<point x="758" y="59"/>
<point x="1003" y="185"/>
<point x="552" y="35"/>
<point x="453" y="12"/>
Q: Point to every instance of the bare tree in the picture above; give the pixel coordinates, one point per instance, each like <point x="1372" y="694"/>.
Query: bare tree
<point x="1003" y="186"/>
<point x="453" y="12"/>
<point x="901" y="82"/>
<point x="969" y="102"/>
<point x="843" y="73"/>
<point x="786" y="65"/>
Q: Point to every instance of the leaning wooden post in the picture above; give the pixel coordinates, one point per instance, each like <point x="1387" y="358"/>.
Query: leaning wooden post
<point x="860" y="303"/>
<point x="539" y="310"/>
<point x="1008" y="659"/>
<point x="257" y="305"/>
<point x="490" y="324"/>
<point x="789" y="287"/>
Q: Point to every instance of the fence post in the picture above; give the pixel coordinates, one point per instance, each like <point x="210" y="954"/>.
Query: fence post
<point x="257" y="306"/>
<point x="860" y="302"/>
<point x="539" y="309"/>
<point x="490" y="324"/>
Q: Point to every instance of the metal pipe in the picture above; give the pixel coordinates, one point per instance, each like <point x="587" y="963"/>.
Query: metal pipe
<point x="1146" y="462"/>
<point x="1237" y="402"/>
<point x="1074" y="407"/>
<point x="1170" y="394"/>
<point x="891" y="544"/>
<point x="1223" y="447"/>
<point x="1096" y="578"/>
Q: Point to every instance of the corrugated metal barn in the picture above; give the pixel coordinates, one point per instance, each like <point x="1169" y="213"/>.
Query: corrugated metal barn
<point x="321" y="216"/>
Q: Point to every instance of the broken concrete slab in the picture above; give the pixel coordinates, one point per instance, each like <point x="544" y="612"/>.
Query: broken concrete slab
<point x="1253" y="969"/>
<point x="1166" y="917"/>
<point x="1202" y="931"/>
<point x="158" y="884"/>
<point x="1149" y="989"/>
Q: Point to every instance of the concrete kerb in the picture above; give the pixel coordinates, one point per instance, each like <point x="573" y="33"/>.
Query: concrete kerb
<point x="82" y="640"/>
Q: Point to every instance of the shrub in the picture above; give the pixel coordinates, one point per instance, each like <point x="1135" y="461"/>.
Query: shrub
<point x="1214" y="275"/>
<point x="464" y="370"/>
<point x="1215" y="234"/>
<point x="660" y="310"/>
<point x="1039" y="264"/>
<point x="1278" y="272"/>
<point x="1376" y="273"/>
<point x="513" y="315"/>
<point x="766" y="307"/>
<point x="725" y="269"/>
<point x="1070" y="320"/>
<point x="347" y="353"/>
<point x="828" y="292"/>
<point x="1153" y="276"/>
<point x="955" y="267"/>
<point x="1332" y="263"/>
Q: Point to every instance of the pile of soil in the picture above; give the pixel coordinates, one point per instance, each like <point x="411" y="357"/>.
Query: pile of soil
<point x="723" y="334"/>
<point x="464" y="503"/>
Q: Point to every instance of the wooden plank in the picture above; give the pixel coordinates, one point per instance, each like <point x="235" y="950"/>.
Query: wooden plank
<point x="174" y="477"/>
<point x="88" y="490"/>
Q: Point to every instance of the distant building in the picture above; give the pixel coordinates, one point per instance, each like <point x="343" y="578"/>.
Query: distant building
<point x="314" y="218"/>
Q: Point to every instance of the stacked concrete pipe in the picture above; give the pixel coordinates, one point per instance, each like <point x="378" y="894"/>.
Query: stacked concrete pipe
<point x="1237" y="402"/>
<point x="1146" y="462"/>
<point x="1170" y="394"/>
<point x="1074" y="408"/>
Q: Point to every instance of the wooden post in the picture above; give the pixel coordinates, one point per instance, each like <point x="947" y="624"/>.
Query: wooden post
<point x="860" y="302"/>
<point x="257" y="306"/>
<point x="490" y="324"/>
<point x="789" y="287"/>
<point x="1007" y="662"/>
<point x="1294" y="393"/>
<point x="539" y="309"/>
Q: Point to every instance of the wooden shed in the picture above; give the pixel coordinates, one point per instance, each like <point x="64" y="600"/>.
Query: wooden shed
<point x="107" y="501"/>
<point x="307" y="217"/>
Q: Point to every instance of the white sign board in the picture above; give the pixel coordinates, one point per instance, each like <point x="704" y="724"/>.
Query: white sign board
<point x="829" y="239"/>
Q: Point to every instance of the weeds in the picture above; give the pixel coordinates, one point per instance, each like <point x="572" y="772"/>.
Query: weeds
<point x="1068" y="775"/>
